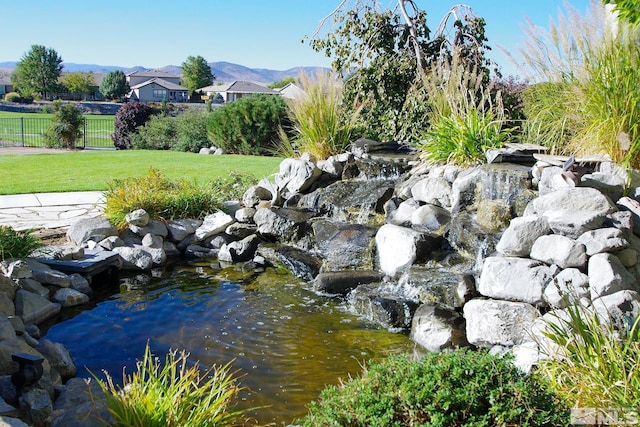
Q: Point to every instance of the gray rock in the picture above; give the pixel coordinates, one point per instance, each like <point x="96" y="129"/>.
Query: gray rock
<point x="152" y="241"/>
<point x="242" y="250"/>
<point x="130" y="238"/>
<point x="494" y="322"/>
<point x="402" y="215"/>
<point x="574" y="223"/>
<point x="342" y="282"/>
<point x="34" y="308"/>
<point x="493" y="215"/>
<point x="6" y="305"/>
<point x="33" y="286"/>
<point x="464" y="189"/>
<point x="179" y="229"/>
<point x="256" y="194"/>
<point x="527" y="356"/>
<point x="518" y="239"/>
<point x="298" y="262"/>
<point x="241" y="230"/>
<point x="431" y="286"/>
<point x="607" y="275"/>
<point x="430" y="218"/>
<point x="46" y="275"/>
<point x="68" y="297"/>
<point x="111" y="242"/>
<point x="628" y="257"/>
<point x="37" y="404"/>
<point x="7" y="331"/>
<point x="281" y="223"/>
<point x="158" y="255"/>
<point x="170" y="249"/>
<point x="622" y="308"/>
<point x="438" y="328"/>
<point x="17" y="269"/>
<point x="633" y="206"/>
<point x="80" y="284"/>
<point x="7" y="421"/>
<point x="95" y="229"/>
<point x="135" y="257"/>
<point x="603" y="240"/>
<point x="552" y="179"/>
<point x="139" y="218"/>
<point x="344" y="246"/>
<point x="245" y="215"/>
<point x="387" y="310"/>
<point x="399" y="248"/>
<point x="59" y="358"/>
<point x="213" y="224"/>
<point x="568" y="286"/>
<point x="559" y="250"/>
<point x="331" y="166"/>
<point x="9" y="287"/>
<point x="609" y="184"/>
<point x="296" y="175"/>
<point x="514" y="279"/>
<point x="197" y="251"/>
<point x="571" y="199"/>
<point x="153" y="227"/>
<point x="433" y="190"/>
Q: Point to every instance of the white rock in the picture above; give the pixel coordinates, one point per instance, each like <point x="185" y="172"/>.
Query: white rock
<point x="559" y="250"/>
<point x="495" y="322"/>
<point x="603" y="240"/>
<point x="522" y="232"/>
<point x="514" y="279"/>
<point x="607" y="275"/>
<point x="213" y="224"/>
<point x="436" y="191"/>
<point x="568" y="286"/>
<point x="399" y="247"/>
<point x="437" y="328"/>
<point x="138" y="217"/>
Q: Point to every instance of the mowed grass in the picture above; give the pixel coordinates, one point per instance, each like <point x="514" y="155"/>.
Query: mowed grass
<point x="93" y="170"/>
<point x="14" y="115"/>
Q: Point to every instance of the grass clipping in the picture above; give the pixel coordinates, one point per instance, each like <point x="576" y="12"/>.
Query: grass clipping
<point x="165" y="200"/>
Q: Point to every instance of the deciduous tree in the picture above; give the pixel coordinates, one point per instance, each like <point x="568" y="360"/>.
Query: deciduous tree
<point x="114" y="85"/>
<point x="38" y="71"/>
<point x="196" y="73"/>
<point x="79" y="84"/>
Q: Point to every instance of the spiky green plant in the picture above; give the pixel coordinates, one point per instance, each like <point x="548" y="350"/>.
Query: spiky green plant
<point x="17" y="244"/>
<point x="465" y="119"/>
<point x="598" y="365"/>
<point x="175" y="393"/>
<point x="321" y="125"/>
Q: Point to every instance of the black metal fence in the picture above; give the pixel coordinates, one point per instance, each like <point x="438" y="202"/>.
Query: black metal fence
<point x="30" y="132"/>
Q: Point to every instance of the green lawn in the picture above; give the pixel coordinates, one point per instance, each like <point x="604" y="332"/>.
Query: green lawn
<point x="13" y="115"/>
<point x="92" y="170"/>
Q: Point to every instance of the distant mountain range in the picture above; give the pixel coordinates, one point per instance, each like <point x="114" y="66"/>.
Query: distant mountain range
<point x="225" y="72"/>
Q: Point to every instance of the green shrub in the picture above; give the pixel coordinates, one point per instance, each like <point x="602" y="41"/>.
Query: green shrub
<point x="126" y="122"/>
<point x="321" y="125"/>
<point x="599" y="365"/>
<point x="67" y="125"/>
<point x="16" y="244"/>
<point x="158" y="133"/>
<point x="249" y="125"/>
<point x="173" y="394"/>
<point x="191" y="129"/>
<point x="16" y="97"/>
<point x="459" y="388"/>
<point x="165" y="199"/>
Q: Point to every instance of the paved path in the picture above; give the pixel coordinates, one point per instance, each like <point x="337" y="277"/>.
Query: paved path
<point x="49" y="210"/>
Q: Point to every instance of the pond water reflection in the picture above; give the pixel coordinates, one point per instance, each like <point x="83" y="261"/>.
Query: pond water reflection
<point x="287" y="341"/>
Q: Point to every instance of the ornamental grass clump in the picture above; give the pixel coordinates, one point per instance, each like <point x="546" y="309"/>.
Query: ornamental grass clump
<point x="598" y="365"/>
<point x="165" y="199"/>
<point x="465" y="119"/>
<point x="321" y="125"/>
<point x="17" y="244"/>
<point x="458" y="388"/>
<point x="175" y="393"/>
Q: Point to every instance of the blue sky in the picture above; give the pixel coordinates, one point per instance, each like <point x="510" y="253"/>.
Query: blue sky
<point x="254" y="33"/>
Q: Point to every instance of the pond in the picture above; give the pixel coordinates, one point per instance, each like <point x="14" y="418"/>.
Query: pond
<point x="287" y="341"/>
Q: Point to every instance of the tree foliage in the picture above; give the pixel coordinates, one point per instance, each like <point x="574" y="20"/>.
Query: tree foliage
<point x="126" y="122"/>
<point x="382" y="54"/>
<point x="628" y="10"/>
<point x="114" y="85"/>
<point x="196" y="73"/>
<point x="79" y="83"/>
<point x="249" y="125"/>
<point x="38" y="71"/>
<point x="282" y="83"/>
<point x="66" y="126"/>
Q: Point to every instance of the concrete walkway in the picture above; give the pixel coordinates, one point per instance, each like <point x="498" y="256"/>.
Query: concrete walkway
<point x="49" y="210"/>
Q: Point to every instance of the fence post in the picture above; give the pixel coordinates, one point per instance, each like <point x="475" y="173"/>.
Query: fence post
<point x="22" y="129"/>
<point x="84" y="134"/>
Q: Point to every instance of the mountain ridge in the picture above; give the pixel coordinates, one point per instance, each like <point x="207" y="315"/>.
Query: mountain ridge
<point x="224" y="72"/>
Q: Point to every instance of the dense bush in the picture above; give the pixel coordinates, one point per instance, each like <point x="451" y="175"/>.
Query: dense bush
<point x="158" y="133"/>
<point x="165" y="199"/>
<point x="127" y="120"/>
<point x="249" y="125"/>
<point x="67" y="125"/>
<point x="16" y="97"/>
<point x="459" y="388"/>
<point x="191" y="129"/>
<point x="16" y="244"/>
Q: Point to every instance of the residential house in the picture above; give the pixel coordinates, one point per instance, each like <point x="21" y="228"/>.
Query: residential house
<point x="236" y="90"/>
<point x="5" y="85"/>
<point x="291" y="91"/>
<point x="155" y="86"/>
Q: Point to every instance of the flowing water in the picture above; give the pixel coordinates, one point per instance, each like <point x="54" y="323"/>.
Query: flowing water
<point x="287" y="341"/>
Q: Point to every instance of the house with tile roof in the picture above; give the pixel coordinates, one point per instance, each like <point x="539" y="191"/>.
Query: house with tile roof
<point x="156" y="86"/>
<point x="236" y="90"/>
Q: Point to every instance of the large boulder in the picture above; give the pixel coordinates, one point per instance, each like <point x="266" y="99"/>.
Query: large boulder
<point x="399" y="247"/>
<point x="567" y="287"/>
<point x="433" y="190"/>
<point x="213" y="224"/>
<point x="572" y="223"/>
<point x="68" y="297"/>
<point x="518" y="239"/>
<point x="154" y="226"/>
<point x="300" y="263"/>
<point x="631" y="205"/>
<point x="86" y="229"/>
<point x="607" y="275"/>
<point x="622" y="308"/>
<point x="571" y="199"/>
<point x="437" y="328"/>
<point x="514" y="279"/>
<point x="241" y="250"/>
<point x="342" y="282"/>
<point x="58" y="357"/>
<point x="47" y="275"/>
<point x="283" y="224"/>
<point x="559" y="250"/>
<point x="139" y="218"/>
<point x="603" y="240"/>
<point x="179" y="229"/>
<point x="296" y="175"/>
<point x="495" y="322"/>
<point x="135" y="257"/>
<point x="34" y="308"/>
<point x="344" y="246"/>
